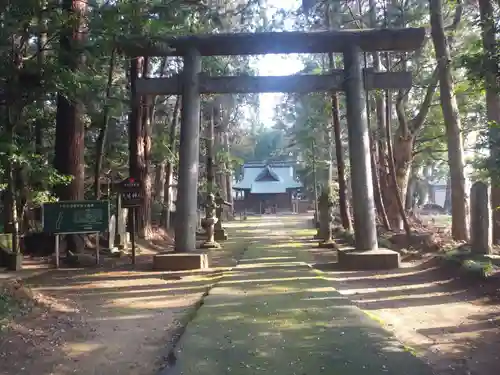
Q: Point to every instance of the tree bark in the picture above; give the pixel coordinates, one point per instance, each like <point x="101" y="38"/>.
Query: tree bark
<point x="403" y="148"/>
<point x="491" y="73"/>
<point x="459" y="198"/>
<point x="41" y="41"/>
<point x="229" y="177"/>
<point x="160" y="176"/>
<point x="170" y="163"/>
<point x="379" y="201"/>
<point x="69" y="142"/>
<point x="145" y="226"/>
<point x="70" y="130"/>
<point x="345" y="214"/>
<point x="210" y="152"/>
<point x="447" y="196"/>
<point x="408" y="130"/>
<point x="101" y="139"/>
<point x="398" y="199"/>
<point x="135" y="145"/>
<point x="379" y="135"/>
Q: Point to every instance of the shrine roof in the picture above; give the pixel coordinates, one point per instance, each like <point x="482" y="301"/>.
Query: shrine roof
<point x="261" y="178"/>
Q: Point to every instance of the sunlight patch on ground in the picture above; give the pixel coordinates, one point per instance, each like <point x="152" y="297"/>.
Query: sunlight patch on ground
<point x="151" y="302"/>
<point x="321" y="290"/>
<point x="74" y="349"/>
<point x="269" y="265"/>
<point x="252" y="231"/>
<point x="304" y="232"/>
<point x="121" y="317"/>
<point x="243" y="261"/>
<point x="346" y="275"/>
<point x="401" y="288"/>
<point x="408" y="297"/>
<point x="271" y="280"/>
<point x="289" y="245"/>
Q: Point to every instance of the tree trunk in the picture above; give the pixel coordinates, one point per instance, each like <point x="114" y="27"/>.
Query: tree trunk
<point x="379" y="201"/>
<point x="402" y="154"/>
<point x="490" y="71"/>
<point x="41" y="41"/>
<point x="145" y="226"/>
<point x="160" y="182"/>
<point x="219" y="149"/>
<point x="447" y="196"/>
<point x="410" y="191"/>
<point x="70" y="131"/>
<point x="9" y="196"/>
<point x="345" y="214"/>
<point x="170" y="164"/>
<point x="210" y="152"/>
<point x="397" y="179"/>
<point x="339" y="156"/>
<point x="409" y="129"/>
<point x="69" y="142"/>
<point x="135" y="144"/>
<point x="459" y="198"/>
<point x="101" y="139"/>
<point x="379" y="136"/>
<point x="229" y="178"/>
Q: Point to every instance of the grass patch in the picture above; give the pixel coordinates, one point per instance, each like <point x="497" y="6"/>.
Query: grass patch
<point x="470" y="263"/>
<point x="9" y="307"/>
<point x="384" y="242"/>
<point x="305" y="232"/>
<point x="346" y="235"/>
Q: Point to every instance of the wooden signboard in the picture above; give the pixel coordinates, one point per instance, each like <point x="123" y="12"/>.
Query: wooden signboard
<point x="130" y="190"/>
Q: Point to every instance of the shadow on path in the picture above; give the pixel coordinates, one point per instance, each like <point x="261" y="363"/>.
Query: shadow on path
<point x="274" y="314"/>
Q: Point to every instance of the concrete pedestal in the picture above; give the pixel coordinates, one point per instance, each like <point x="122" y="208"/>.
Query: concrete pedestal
<point x="209" y="245"/>
<point x="380" y="259"/>
<point x="180" y="262"/>
<point x="11" y="261"/>
<point x="327" y="244"/>
<point x="220" y="235"/>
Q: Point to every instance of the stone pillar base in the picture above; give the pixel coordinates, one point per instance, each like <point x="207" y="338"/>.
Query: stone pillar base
<point x="209" y="245"/>
<point x="11" y="261"/>
<point x="180" y="262"/>
<point x="220" y="235"/>
<point x="380" y="259"/>
<point x="327" y="244"/>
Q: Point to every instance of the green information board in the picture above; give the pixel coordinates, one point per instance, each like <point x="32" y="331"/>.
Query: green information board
<point x="75" y="217"/>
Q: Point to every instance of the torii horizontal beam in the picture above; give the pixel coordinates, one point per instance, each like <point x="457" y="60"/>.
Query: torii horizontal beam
<point x="257" y="84"/>
<point x="369" y="40"/>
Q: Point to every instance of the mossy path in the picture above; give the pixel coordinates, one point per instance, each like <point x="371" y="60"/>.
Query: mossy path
<point x="274" y="314"/>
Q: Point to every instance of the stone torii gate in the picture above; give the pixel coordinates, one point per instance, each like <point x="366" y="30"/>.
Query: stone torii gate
<point x="353" y="80"/>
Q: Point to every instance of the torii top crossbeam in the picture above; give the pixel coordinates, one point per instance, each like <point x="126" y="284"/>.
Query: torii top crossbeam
<point x="369" y="40"/>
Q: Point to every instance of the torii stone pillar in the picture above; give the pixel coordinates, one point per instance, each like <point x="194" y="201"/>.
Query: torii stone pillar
<point x="187" y="191"/>
<point x="365" y="230"/>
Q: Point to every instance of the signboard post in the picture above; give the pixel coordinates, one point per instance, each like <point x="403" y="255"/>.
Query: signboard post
<point x="75" y="217"/>
<point x="131" y="198"/>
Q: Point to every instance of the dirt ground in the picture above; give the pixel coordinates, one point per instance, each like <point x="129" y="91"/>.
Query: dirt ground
<point x="104" y="321"/>
<point x="118" y="321"/>
<point x="452" y="323"/>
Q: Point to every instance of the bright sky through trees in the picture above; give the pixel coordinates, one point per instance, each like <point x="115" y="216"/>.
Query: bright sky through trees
<point x="277" y="65"/>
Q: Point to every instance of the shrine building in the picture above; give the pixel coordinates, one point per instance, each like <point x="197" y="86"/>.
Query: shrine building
<point x="267" y="187"/>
